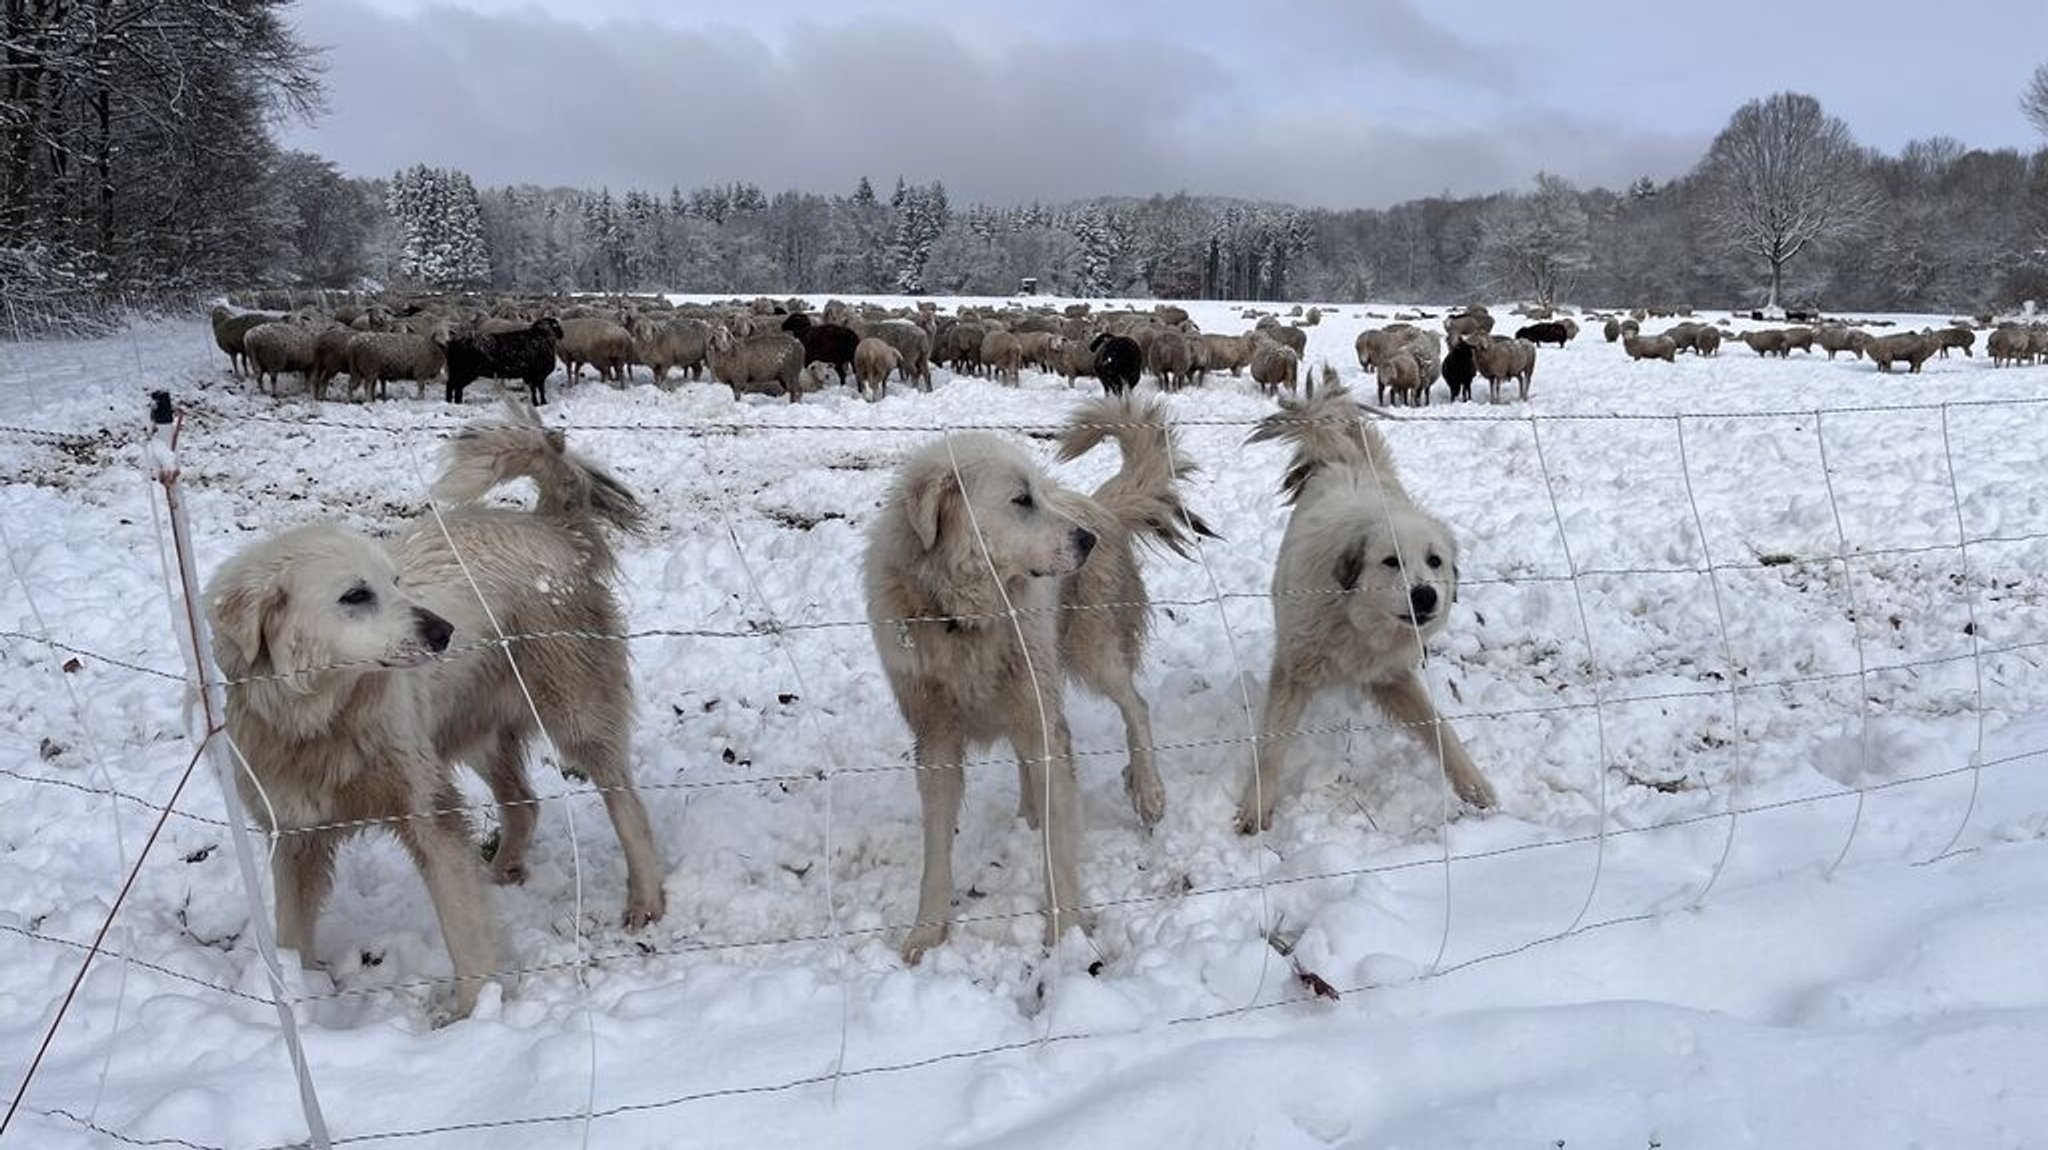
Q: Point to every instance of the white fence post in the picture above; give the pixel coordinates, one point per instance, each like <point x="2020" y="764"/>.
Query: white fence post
<point x="162" y="459"/>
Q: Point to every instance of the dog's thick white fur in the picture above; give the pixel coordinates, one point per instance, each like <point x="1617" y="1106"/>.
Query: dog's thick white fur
<point x="988" y="585"/>
<point x="1364" y="579"/>
<point x="342" y="711"/>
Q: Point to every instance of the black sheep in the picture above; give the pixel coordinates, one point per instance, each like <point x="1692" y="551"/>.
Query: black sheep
<point x="1459" y="368"/>
<point x="527" y="355"/>
<point x="830" y="343"/>
<point x="797" y="324"/>
<point x="1119" y="361"/>
<point x="1549" y="332"/>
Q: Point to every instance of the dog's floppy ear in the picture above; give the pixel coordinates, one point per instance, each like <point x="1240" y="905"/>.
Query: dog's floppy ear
<point x="1351" y="565"/>
<point x="924" y="501"/>
<point x="242" y="609"/>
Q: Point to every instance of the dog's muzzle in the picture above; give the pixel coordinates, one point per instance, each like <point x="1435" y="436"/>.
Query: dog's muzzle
<point x="432" y="630"/>
<point x="1422" y="605"/>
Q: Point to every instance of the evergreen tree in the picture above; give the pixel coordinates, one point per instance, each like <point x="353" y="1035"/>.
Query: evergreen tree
<point x="864" y="193"/>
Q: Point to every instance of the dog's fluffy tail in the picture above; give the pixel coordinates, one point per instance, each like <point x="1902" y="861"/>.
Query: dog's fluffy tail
<point x="517" y="445"/>
<point x="1329" y="429"/>
<point x="1144" y="494"/>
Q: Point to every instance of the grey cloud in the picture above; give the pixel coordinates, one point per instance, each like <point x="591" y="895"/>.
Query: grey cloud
<point x="1002" y="116"/>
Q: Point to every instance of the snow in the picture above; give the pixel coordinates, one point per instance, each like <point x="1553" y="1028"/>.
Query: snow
<point x="1863" y="969"/>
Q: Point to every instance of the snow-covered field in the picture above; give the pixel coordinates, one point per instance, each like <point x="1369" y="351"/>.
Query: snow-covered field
<point x="1651" y="943"/>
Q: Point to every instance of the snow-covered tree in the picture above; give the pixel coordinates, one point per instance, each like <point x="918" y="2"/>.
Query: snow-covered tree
<point x="2034" y="101"/>
<point x="1538" y="242"/>
<point x="1783" y="176"/>
<point x="921" y="216"/>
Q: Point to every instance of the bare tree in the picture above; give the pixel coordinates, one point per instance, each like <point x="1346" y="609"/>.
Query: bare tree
<point x="1539" y="241"/>
<point x="1784" y="175"/>
<point x="2034" y="101"/>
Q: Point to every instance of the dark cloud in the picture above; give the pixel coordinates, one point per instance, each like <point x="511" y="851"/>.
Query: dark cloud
<point x="1324" y="102"/>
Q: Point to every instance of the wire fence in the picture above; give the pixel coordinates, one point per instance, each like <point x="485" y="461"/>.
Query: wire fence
<point x="1604" y="696"/>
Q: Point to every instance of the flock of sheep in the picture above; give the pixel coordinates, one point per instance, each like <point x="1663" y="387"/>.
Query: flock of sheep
<point x="781" y="347"/>
<point x="2010" y="342"/>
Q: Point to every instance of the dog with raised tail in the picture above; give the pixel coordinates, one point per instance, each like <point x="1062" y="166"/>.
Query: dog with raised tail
<point x="360" y="674"/>
<point x="988" y="586"/>
<point x="1364" y="580"/>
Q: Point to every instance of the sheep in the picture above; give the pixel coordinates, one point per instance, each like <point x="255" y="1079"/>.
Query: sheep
<point x="1684" y="336"/>
<point x="1503" y="359"/>
<point x="913" y="348"/>
<point x="1171" y="359"/>
<point x="1460" y="365"/>
<point x="376" y="317"/>
<point x="752" y="363"/>
<point x="1119" y="362"/>
<point x="1799" y="339"/>
<point x="1003" y="354"/>
<point x="1400" y="375"/>
<point x="1289" y="337"/>
<point x="959" y="347"/>
<point x="230" y="330"/>
<point x="2010" y="344"/>
<point x="1549" y="331"/>
<point x="1274" y="364"/>
<point x="377" y="357"/>
<point x="1612" y="329"/>
<point x="1915" y="347"/>
<point x="1374" y="345"/>
<point x="669" y="344"/>
<point x="1771" y="342"/>
<point x="797" y="323"/>
<point x="330" y="358"/>
<point x="600" y="343"/>
<point x="1834" y="337"/>
<point x="1228" y="352"/>
<point x="1650" y="347"/>
<point x="1472" y="321"/>
<point x="1036" y="347"/>
<point x="1707" y="341"/>
<point x="1950" y="337"/>
<point x="830" y="343"/>
<point x="873" y="360"/>
<point x="1314" y="317"/>
<point x="279" y="346"/>
<point x="527" y="355"/>
<point x="1076" y="360"/>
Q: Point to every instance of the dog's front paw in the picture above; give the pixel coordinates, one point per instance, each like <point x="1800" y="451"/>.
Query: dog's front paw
<point x="508" y="872"/>
<point x="1251" y="819"/>
<point x="645" y="908"/>
<point x="922" y="939"/>
<point x="1477" y="793"/>
<point x="1148" y="796"/>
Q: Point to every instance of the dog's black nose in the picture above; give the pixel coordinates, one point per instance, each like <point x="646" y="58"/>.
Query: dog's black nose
<point x="1422" y="599"/>
<point x="1084" y="541"/>
<point x="434" y="630"/>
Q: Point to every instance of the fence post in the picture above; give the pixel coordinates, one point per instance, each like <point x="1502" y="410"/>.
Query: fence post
<point x="162" y="459"/>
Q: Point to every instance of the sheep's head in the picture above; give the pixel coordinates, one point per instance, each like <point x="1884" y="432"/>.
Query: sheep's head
<point x="721" y="339"/>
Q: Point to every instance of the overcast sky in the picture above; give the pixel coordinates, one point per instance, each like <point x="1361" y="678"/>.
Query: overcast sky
<point x="1335" y="103"/>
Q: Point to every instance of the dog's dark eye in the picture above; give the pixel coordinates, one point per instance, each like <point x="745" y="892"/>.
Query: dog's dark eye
<point x="357" y="596"/>
<point x="1393" y="561"/>
<point x="1024" y="501"/>
<point x="1435" y="563"/>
